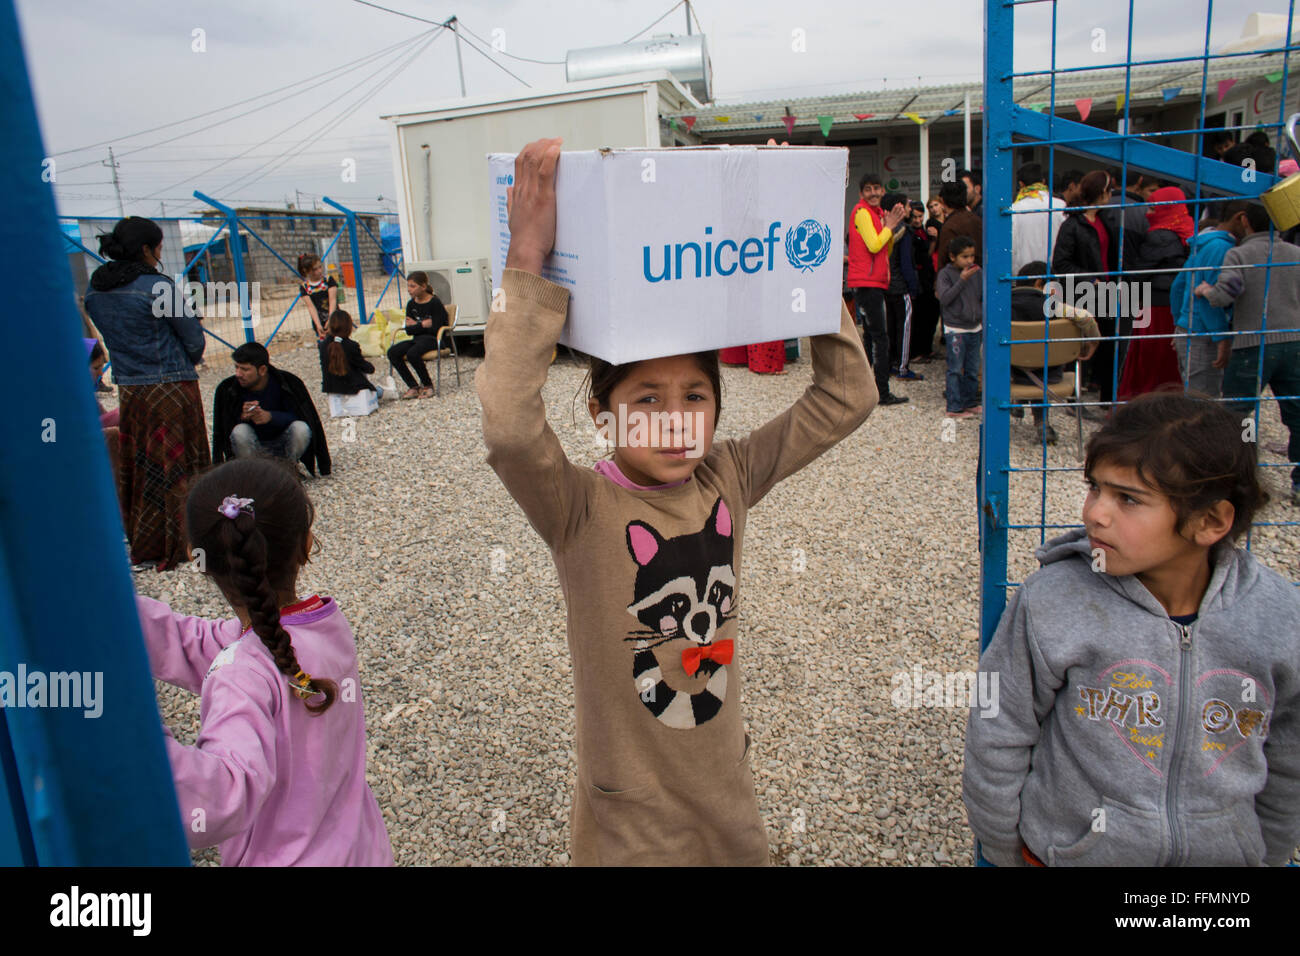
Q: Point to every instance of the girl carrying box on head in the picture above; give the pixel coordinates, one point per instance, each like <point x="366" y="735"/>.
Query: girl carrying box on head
<point x="277" y="776"/>
<point x="648" y="550"/>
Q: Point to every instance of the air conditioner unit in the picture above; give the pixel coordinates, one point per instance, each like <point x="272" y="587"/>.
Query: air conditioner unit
<point x="466" y="283"/>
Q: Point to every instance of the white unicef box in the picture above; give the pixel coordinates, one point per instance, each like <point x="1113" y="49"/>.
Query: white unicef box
<point x="668" y="251"/>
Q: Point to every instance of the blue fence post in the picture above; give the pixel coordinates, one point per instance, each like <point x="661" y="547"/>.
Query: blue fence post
<point x="356" y="256"/>
<point x="237" y="259"/>
<point x="95" y="791"/>
<point x="995" y="434"/>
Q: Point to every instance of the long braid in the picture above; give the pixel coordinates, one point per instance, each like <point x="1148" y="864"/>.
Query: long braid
<point x="245" y="550"/>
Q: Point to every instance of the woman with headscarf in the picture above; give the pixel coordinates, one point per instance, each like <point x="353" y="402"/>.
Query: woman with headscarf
<point x="1151" y="363"/>
<point x="155" y="341"/>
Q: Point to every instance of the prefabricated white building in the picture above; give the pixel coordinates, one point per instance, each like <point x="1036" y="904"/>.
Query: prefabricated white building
<point x="440" y="165"/>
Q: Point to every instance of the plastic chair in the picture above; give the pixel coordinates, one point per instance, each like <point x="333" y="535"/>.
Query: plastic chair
<point x="1028" y="358"/>
<point x="400" y="335"/>
<point x="436" y="354"/>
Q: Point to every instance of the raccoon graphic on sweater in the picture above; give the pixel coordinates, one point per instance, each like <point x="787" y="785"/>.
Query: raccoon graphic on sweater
<point x="684" y="591"/>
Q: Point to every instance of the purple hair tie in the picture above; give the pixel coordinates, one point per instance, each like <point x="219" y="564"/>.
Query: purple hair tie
<point x="232" y="507"/>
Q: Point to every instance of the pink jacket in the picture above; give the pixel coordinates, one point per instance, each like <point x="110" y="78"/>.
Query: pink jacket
<point x="269" y="783"/>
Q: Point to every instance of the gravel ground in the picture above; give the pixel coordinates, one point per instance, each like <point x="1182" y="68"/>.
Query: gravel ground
<point x="864" y="564"/>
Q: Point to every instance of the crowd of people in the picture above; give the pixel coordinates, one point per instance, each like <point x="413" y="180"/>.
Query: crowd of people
<point x="1174" y="301"/>
<point x="157" y="438"/>
<point x="648" y="544"/>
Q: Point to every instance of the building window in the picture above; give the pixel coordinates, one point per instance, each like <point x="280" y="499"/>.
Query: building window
<point x="266" y="223"/>
<point x="290" y="223"/>
<point x="334" y="224"/>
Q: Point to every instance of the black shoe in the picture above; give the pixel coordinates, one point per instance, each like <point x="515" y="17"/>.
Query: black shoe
<point x="1049" y="435"/>
<point x="894" y="400"/>
<point x="1017" y="411"/>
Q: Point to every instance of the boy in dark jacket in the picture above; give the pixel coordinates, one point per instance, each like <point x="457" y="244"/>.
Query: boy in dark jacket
<point x="265" y="409"/>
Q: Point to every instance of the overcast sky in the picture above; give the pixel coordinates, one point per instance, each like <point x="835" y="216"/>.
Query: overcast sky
<point x="104" y="71"/>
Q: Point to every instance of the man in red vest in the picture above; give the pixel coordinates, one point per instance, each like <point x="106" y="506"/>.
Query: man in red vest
<point x="871" y="237"/>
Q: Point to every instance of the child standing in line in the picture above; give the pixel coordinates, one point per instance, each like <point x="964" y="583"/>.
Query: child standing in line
<point x="321" y="292"/>
<point x="960" y="290"/>
<point x="648" y="549"/>
<point x="1149" y="706"/>
<point x="277" y="776"/>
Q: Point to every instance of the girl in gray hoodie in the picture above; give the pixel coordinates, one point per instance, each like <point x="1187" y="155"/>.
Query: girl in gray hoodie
<point x="1149" y="672"/>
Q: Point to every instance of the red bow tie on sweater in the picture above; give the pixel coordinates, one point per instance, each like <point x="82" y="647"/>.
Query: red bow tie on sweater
<point x="720" y="652"/>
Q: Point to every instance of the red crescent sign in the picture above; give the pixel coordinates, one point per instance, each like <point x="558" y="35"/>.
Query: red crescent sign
<point x="1255" y="102"/>
<point x="887" y="159"/>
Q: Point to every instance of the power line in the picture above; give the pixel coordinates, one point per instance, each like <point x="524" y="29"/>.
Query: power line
<point x="409" y="16"/>
<point x="366" y="95"/>
<point x="351" y="68"/>
<point x="643" y="29"/>
<point x="511" y="55"/>
<point x="447" y="23"/>
<point x="431" y="36"/>
<point x="154" y="129"/>
<point x="496" y="64"/>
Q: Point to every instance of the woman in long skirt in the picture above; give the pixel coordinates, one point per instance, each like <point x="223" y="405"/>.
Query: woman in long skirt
<point x="154" y="341"/>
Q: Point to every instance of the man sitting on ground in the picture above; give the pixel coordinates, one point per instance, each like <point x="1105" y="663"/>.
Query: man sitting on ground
<point x="265" y="410"/>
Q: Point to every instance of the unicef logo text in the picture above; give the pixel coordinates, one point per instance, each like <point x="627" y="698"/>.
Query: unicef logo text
<point x="807" y="244"/>
<point x="507" y="180"/>
<point x="806" y="247"/>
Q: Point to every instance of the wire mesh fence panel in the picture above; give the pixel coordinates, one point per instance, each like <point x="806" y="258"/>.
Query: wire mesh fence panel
<point x="1116" y="167"/>
<point x="261" y="285"/>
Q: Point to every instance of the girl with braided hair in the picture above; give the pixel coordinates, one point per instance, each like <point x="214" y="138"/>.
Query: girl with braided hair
<point x="277" y="776"/>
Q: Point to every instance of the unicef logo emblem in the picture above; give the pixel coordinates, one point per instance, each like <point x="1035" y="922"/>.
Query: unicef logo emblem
<point x="807" y="244"/>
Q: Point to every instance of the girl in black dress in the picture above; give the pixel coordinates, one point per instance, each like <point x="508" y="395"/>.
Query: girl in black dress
<point x="323" y="293"/>
<point x="425" y="315"/>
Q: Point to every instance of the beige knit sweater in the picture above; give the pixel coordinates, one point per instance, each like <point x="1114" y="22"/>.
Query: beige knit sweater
<point x="663" y="757"/>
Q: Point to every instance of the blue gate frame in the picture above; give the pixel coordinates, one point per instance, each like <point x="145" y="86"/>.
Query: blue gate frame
<point x="77" y="790"/>
<point x="1007" y="127"/>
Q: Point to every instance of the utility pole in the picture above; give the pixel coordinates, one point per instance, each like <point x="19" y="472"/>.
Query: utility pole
<point x="460" y="67"/>
<point x="688" y="17"/>
<point x="117" y="187"/>
<point x="162" y="206"/>
<point x="297" y="199"/>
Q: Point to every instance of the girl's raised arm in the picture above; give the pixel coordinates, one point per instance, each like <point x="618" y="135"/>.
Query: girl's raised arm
<point x="181" y="648"/>
<point x="518" y="343"/>
<point x="841" y="396"/>
<point x="522" y="448"/>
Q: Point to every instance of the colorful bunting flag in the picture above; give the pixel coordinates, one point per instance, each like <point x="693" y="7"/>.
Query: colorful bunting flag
<point x="789" y="124"/>
<point x="825" y="123"/>
<point x="1119" y="103"/>
<point x="690" y="122"/>
<point x="1036" y="107"/>
<point x="1224" y="86"/>
<point x="1274" y="77"/>
<point x="758" y="117"/>
<point x="915" y="118"/>
<point x="722" y="119"/>
<point x="863" y="116"/>
<point x="1084" y="106"/>
<point x="1170" y="92"/>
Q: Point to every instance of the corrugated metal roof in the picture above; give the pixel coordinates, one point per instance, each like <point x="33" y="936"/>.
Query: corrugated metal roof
<point x="1146" y="86"/>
